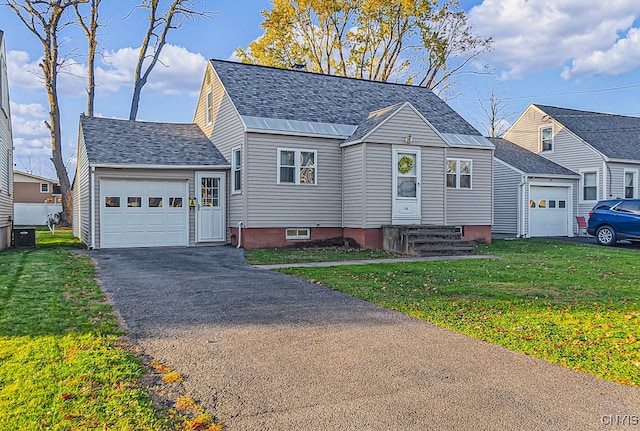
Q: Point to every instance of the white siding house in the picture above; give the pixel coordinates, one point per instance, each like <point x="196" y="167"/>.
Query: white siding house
<point x="6" y="153"/>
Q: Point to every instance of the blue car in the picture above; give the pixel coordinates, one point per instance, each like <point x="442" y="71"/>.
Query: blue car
<point x="615" y="219"/>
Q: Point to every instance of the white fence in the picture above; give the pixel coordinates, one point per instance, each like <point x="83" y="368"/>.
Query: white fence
<point x="34" y="214"/>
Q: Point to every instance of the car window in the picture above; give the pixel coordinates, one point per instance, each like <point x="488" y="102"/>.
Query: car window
<point x="628" y="206"/>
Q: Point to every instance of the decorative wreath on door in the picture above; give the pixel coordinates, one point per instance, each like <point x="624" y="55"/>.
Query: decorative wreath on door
<point x="405" y="164"/>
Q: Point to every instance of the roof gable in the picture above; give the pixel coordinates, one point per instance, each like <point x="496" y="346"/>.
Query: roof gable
<point x="113" y="141"/>
<point x="265" y="92"/>
<point x="526" y="161"/>
<point x="615" y="136"/>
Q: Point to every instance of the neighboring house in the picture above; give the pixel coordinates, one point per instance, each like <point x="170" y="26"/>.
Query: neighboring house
<point x="603" y="149"/>
<point x="35" y="198"/>
<point x="6" y="153"/>
<point x="532" y="195"/>
<point x="136" y="183"/>
<point x="311" y="157"/>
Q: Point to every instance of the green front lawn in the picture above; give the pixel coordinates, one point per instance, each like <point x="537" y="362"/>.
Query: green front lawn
<point x="269" y="256"/>
<point x="61" y="363"/>
<point x="574" y="305"/>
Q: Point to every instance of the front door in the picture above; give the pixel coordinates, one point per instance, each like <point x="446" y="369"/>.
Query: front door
<point x="210" y="215"/>
<point x="406" y="186"/>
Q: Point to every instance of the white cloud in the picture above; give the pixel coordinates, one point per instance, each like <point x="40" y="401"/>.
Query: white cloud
<point x="29" y="109"/>
<point x="22" y="72"/>
<point x="537" y="35"/>
<point x="620" y="58"/>
<point x="177" y="71"/>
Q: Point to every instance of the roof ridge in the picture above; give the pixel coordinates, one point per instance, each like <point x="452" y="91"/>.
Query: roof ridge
<point x="83" y="116"/>
<point x="327" y="75"/>
<point x="609" y="114"/>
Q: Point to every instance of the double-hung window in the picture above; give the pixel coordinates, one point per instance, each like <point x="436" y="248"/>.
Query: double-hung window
<point x="630" y="181"/>
<point x="297" y="166"/>
<point x="589" y="186"/>
<point x="546" y="138"/>
<point x="236" y="170"/>
<point x="459" y="174"/>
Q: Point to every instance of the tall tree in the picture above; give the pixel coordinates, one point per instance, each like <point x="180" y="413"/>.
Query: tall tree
<point x="162" y="17"/>
<point x="91" y="31"/>
<point x="496" y="112"/>
<point x="46" y="20"/>
<point x="415" y="41"/>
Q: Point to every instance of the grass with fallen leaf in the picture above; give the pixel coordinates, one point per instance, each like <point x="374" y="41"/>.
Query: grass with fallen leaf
<point x="62" y="366"/>
<point x="574" y="305"/>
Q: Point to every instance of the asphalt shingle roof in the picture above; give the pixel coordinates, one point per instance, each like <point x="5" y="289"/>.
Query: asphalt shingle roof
<point x="373" y="120"/>
<point x="144" y="143"/>
<point x="615" y="136"/>
<point x="267" y="92"/>
<point x="525" y="160"/>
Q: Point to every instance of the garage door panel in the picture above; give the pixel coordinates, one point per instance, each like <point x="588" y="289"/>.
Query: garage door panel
<point x="549" y="211"/>
<point x="151" y="221"/>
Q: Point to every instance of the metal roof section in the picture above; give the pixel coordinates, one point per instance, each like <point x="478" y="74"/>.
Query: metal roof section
<point x="469" y="141"/>
<point x="297" y="127"/>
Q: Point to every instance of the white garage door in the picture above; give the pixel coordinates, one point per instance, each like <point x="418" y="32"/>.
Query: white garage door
<point x="143" y="213"/>
<point x="549" y="211"/>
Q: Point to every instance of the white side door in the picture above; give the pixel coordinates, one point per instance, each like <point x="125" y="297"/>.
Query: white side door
<point x="406" y="186"/>
<point x="210" y="209"/>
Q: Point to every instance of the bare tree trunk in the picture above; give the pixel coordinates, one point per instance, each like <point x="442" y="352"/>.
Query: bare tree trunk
<point x="44" y="19"/>
<point x="178" y="12"/>
<point x="91" y="31"/>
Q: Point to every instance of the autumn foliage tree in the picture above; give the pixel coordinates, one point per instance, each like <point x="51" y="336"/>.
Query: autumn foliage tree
<point x="421" y="42"/>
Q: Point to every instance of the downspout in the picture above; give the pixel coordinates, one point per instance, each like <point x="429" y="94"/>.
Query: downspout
<point x="92" y="206"/>
<point x="239" y="234"/>
<point x="604" y="179"/>
<point x="521" y="207"/>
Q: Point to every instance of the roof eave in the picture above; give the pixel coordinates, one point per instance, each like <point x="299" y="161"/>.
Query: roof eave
<point x="152" y="166"/>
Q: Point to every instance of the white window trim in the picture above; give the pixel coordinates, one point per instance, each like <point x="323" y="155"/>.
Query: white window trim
<point x="209" y="107"/>
<point x="44" y="191"/>
<point x="553" y="140"/>
<point x="234" y="187"/>
<point x="457" y="187"/>
<point x="297" y="235"/>
<point x="634" y="172"/>
<point x="296" y="176"/>
<point x="581" y="191"/>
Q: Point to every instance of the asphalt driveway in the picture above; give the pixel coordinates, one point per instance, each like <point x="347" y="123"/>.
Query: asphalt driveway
<point x="265" y="351"/>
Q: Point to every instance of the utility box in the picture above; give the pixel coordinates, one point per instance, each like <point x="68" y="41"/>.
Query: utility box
<point x="24" y="237"/>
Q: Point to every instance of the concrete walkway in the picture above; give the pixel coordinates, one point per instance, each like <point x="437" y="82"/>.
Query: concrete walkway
<point x="265" y="351"/>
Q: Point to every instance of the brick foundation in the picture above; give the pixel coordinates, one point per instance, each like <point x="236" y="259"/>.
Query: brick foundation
<point x="253" y="238"/>
<point x="477" y="233"/>
<point x="366" y="238"/>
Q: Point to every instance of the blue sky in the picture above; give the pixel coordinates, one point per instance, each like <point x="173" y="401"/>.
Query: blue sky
<point x="555" y="52"/>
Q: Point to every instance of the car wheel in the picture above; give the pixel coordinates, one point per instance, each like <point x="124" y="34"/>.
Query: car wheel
<point x="605" y="235"/>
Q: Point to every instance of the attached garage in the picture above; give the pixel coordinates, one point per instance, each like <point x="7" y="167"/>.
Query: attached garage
<point x="143" y="213"/>
<point x="142" y="184"/>
<point x="549" y="211"/>
<point x="532" y="196"/>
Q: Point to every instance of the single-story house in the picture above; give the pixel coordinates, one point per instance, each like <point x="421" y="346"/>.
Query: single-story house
<point x="603" y="149"/>
<point x="532" y="196"/>
<point x="6" y="153"/>
<point x="35" y="198"/>
<point x="283" y="156"/>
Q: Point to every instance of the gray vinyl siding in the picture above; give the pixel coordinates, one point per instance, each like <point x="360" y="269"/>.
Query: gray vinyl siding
<point x="227" y="134"/>
<point x="568" y="150"/>
<point x="82" y="195"/>
<point x="433" y="185"/>
<point x="403" y="123"/>
<point x="378" y="183"/>
<point x="616" y="178"/>
<point x="147" y="174"/>
<point x="283" y="205"/>
<point x="226" y="131"/>
<point x="6" y="153"/>
<point x="472" y="206"/>
<point x="505" y="199"/>
<point x="353" y="179"/>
